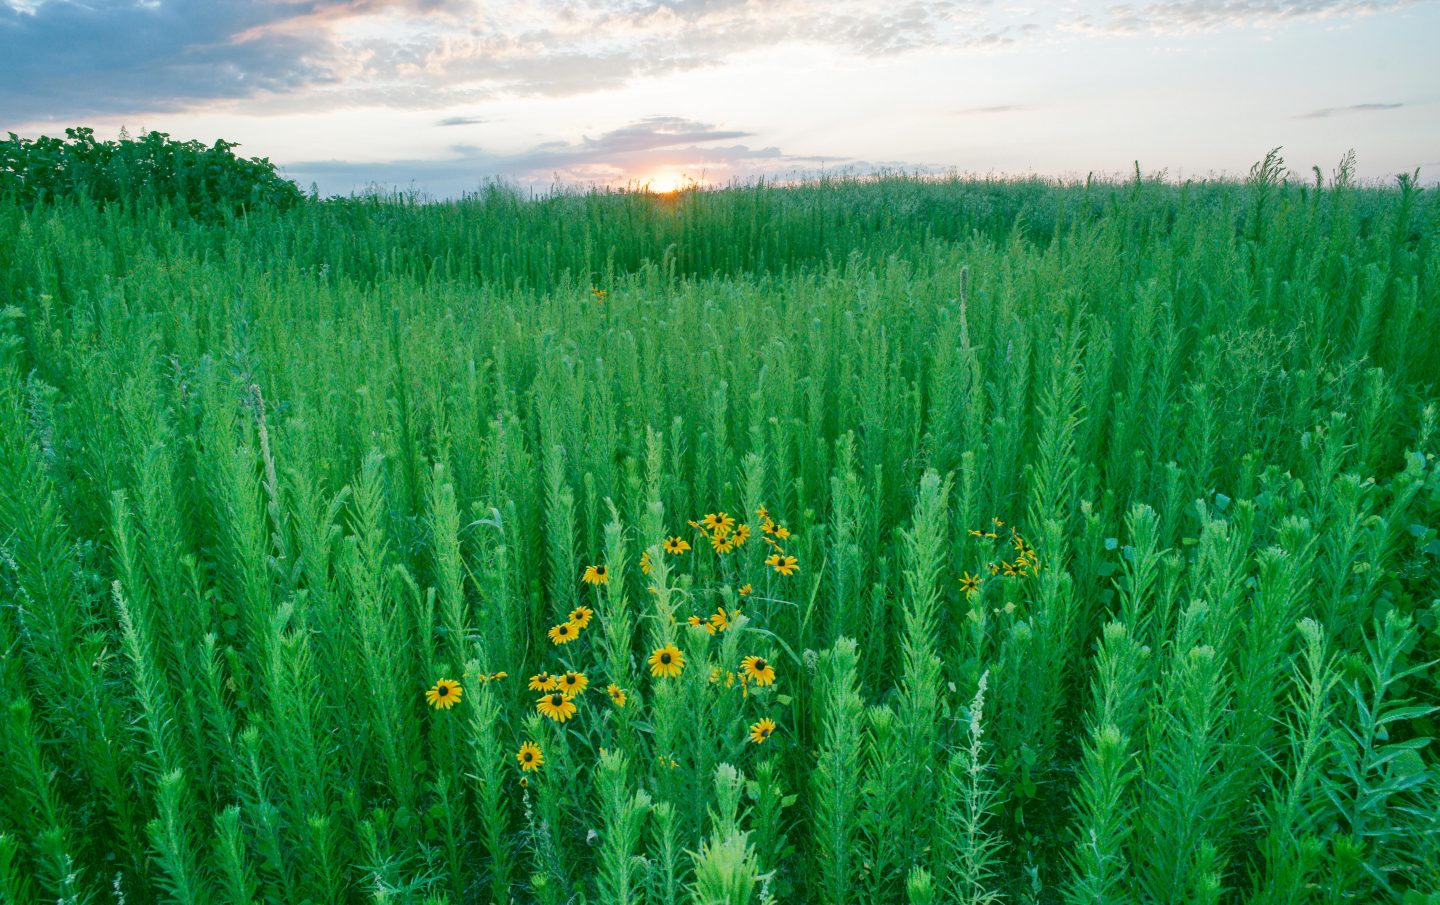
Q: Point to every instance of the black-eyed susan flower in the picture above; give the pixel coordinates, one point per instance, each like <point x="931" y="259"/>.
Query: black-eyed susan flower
<point x="676" y="546"/>
<point x="530" y="756"/>
<point x="542" y="681"/>
<point x="596" y="575"/>
<point x="617" y="694"/>
<point x="970" y="584"/>
<point x="714" y="522"/>
<point x="720" y="620"/>
<point x="645" y="565"/>
<point x="975" y="532"/>
<point x="444" y="694"/>
<point x="762" y="513"/>
<point x="762" y="730"/>
<point x="666" y="662"/>
<point x="782" y="532"/>
<point x="563" y="633"/>
<point x="581" y="616"/>
<point x="746" y="589"/>
<point x="785" y="565"/>
<point x="556" y="706"/>
<point x="497" y="676"/>
<point x="700" y="622"/>
<point x="758" y="670"/>
<point x="722" y="544"/>
<point x="742" y="534"/>
<point x="572" y="683"/>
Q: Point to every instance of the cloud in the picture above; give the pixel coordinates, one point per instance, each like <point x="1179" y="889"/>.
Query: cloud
<point x="65" y="59"/>
<point x="629" y="153"/>
<point x="461" y="121"/>
<point x="1353" y="108"/>
<point x="1188" y="16"/>
<point x="998" y="108"/>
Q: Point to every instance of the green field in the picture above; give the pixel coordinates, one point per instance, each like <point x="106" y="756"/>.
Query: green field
<point x="1113" y="511"/>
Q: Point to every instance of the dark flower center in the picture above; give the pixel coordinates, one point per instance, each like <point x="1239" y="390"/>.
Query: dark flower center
<point x="556" y="700"/>
<point x="443" y="690"/>
<point x="665" y="658"/>
<point x="760" y="665"/>
<point x="529" y="757"/>
<point x="600" y="571"/>
<point x="765" y="733"/>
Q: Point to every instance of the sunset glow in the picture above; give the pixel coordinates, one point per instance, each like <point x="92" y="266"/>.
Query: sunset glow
<point x="664" y="182"/>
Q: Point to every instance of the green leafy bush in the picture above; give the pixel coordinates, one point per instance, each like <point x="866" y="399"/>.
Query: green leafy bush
<point x="205" y="182"/>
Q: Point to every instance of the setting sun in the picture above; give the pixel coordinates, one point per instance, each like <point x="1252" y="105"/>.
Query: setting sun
<point x="665" y="182"/>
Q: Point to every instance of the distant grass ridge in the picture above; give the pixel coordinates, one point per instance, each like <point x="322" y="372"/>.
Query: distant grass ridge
<point x="1115" y="512"/>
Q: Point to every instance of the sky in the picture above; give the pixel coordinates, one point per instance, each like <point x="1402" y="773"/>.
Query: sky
<point x="441" y="96"/>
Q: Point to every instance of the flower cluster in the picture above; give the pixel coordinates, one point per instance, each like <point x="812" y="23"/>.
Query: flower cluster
<point x="1023" y="563"/>
<point x="774" y="533"/>
<point x="720" y="529"/>
<point x="562" y="693"/>
<point x="574" y="624"/>
<point x="726" y="536"/>
<point x="716" y="622"/>
<point x="753" y="671"/>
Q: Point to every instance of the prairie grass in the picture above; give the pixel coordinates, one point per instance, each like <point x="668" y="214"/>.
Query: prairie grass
<point x="1089" y="538"/>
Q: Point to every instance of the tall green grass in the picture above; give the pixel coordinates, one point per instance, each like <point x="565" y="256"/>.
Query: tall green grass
<point x="267" y="480"/>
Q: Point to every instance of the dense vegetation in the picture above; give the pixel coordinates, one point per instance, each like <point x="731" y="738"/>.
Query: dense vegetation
<point x="1086" y="534"/>
<point x="186" y="177"/>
